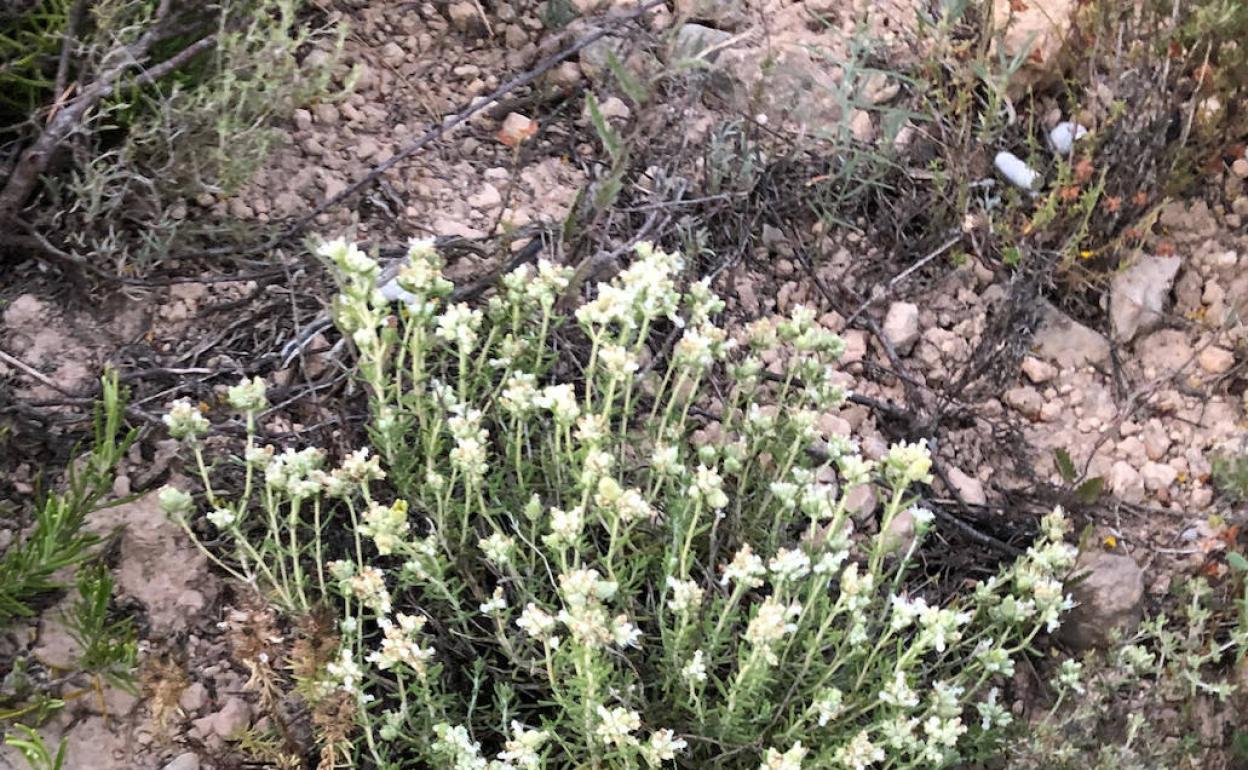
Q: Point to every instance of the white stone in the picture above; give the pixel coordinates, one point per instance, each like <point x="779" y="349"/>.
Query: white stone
<point x="184" y="761"/>
<point x="1025" y="400"/>
<point x="901" y="325"/>
<point x="969" y="488"/>
<point x="1017" y="172"/>
<point x="488" y="197"/>
<point x="1138" y="295"/>
<point x="1157" y="476"/>
<point x="1064" y="135"/>
<point x="1067" y="343"/>
<point x="1125" y="482"/>
<point x="1216" y="360"/>
<point x="1038" y="371"/>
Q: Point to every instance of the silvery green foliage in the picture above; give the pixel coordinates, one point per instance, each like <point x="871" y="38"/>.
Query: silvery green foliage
<point x="560" y="577"/>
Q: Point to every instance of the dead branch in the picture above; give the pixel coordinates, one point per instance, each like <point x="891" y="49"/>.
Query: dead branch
<point x="121" y="61"/>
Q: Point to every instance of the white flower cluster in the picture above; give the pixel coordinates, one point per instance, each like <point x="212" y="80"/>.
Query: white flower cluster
<point x="366" y="584"/>
<point x="561" y="401"/>
<point x="401" y="644"/>
<point x="708" y="487"/>
<point x="544" y="285"/>
<point x="297" y="473"/>
<point x="469" y="455"/>
<point x="686" y="595"/>
<point x="644" y="291"/>
<point x="584" y="593"/>
<point x="459" y="324"/>
<point x="385" y="525"/>
<point x="771" y="623"/>
<point x="419" y="283"/>
<point x="628" y="505"/>
<point x="185" y="420"/>
<point x="248" y="395"/>
<point x="774" y="759"/>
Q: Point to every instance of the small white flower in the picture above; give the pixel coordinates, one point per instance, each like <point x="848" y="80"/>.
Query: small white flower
<point x="496" y="604"/>
<point x="248" y="395"/>
<point x="361" y="467"/>
<point x="770" y="624"/>
<point x="618" y="361"/>
<point x="860" y="753"/>
<point x="694" y="672"/>
<point x="401" y="645"/>
<point x="385" y="525"/>
<point x="666" y="460"/>
<point x="583" y="586"/>
<point x="662" y="747"/>
<point x="1070" y="676"/>
<point x="523" y="747"/>
<point x="686" y="595"/>
<point x="745" y="569"/>
<point x="565" y="526"/>
<point x="222" y="518"/>
<point x="829" y="706"/>
<point x="561" y="401"/>
<point x="908" y="463"/>
<point x="897" y="692"/>
<point x="536" y="622"/>
<point x="184" y="420"/>
<point x="498" y="548"/>
<point x="519" y="394"/>
<point x="789" y="760"/>
<point x="174" y="501"/>
<point x="789" y="565"/>
<point x="369" y="586"/>
<point x="624" y="633"/>
<point x="345" y="673"/>
<point x="616" y="725"/>
<point x="708" y="486"/>
<point x="459" y="324"/>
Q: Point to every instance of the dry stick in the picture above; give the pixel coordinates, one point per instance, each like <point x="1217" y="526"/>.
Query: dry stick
<point x="33" y="372"/>
<point x="67" y="43"/>
<point x="436" y="132"/>
<point x="35" y="159"/>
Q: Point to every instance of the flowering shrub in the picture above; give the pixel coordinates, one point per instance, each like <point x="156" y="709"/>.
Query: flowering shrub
<point x="542" y="569"/>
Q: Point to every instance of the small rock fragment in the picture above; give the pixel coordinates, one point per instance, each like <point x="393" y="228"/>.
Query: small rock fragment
<point x="233" y="717"/>
<point x="1138" y="295"/>
<point x="1124" y="481"/>
<point x="899" y="535"/>
<point x="1026" y="400"/>
<point x="1038" y="371"/>
<point x="1069" y="344"/>
<point x="1216" y="360"/>
<point x="693" y="39"/>
<point x="861" y="502"/>
<point x="487" y="198"/>
<point x="901" y="325"/>
<point x="1108" y="589"/>
<point x="184" y="761"/>
<point x="193" y="698"/>
<point x="1157" y="476"/>
<point x="969" y="488"/>
<point x="327" y="114"/>
<point x="515" y="129"/>
<point x="463" y="16"/>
